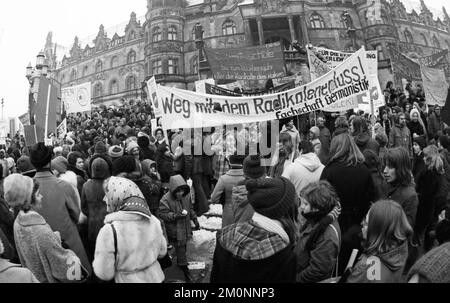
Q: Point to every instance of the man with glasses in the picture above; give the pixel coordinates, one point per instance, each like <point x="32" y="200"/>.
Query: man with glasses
<point x="400" y="136"/>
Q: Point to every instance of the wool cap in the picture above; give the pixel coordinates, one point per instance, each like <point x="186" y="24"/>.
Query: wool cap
<point x="434" y="267"/>
<point x="421" y="142"/>
<point x="100" y="169"/>
<point x="272" y="198"/>
<point x="60" y="164"/>
<point x="115" y="151"/>
<point x="124" y="164"/>
<point x="130" y="146"/>
<point x="100" y="148"/>
<point x="24" y="166"/>
<point x="315" y="130"/>
<point x="253" y="168"/>
<point x="40" y="155"/>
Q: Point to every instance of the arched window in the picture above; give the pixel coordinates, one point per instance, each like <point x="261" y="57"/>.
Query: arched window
<point x="98" y="90"/>
<point x="172" y="33"/>
<point x="73" y="75"/>
<point x="229" y="28"/>
<point x="194" y="65"/>
<point x="408" y="36"/>
<point x="172" y="66"/>
<point x="131" y="58"/>
<point x="157" y="34"/>
<point x="114" y="62"/>
<point x="436" y="42"/>
<point x="99" y="66"/>
<point x="85" y="70"/>
<point x="424" y="39"/>
<point x="113" y="87"/>
<point x="316" y="21"/>
<point x="131" y="82"/>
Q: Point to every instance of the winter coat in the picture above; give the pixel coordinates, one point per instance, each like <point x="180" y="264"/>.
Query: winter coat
<point x="179" y="230"/>
<point x="381" y="186"/>
<point x="242" y="210"/>
<point x="407" y="197"/>
<point x="7" y="231"/>
<point x="15" y="273"/>
<point x="355" y="188"/>
<point x="295" y="135"/>
<point x="223" y="190"/>
<point x="428" y="185"/>
<point x="318" y="264"/>
<point x="40" y="250"/>
<point x="61" y="211"/>
<point x="140" y="242"/>
<point x="306" y="169"/>
<point x="163" y="162"/>
<point x="325" y="139"/>
<point x="246" y="253"/>
<point x="416" y="128"/>
<point x="401" y="137"/>
<point x="385" y="268"/>
<point x="435" y="126"/>
<point x="81" y="176"/>
<point x="419" y="166"/>
<point x="365" y="141"/>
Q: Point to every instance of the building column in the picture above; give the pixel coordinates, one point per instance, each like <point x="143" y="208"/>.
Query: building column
<point x="248" y="32"/>
<point x="292" y="28"/>
<point x="260" y="31"/>
<point x="304" y="29"/>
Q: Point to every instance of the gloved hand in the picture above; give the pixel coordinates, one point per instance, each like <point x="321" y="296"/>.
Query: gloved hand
<point x="179" y="216"/>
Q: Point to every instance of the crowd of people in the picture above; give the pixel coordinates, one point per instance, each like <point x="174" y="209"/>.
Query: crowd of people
<point x="114" y="196"/>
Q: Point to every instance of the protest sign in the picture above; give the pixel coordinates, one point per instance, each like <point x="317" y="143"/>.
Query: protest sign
<point x="185" y="109"/>
<point x="25" y="119"/>
<point x="247" y="63"/>
<point x="154" y="98"/>
<point x="217" y="90"/>
<point x="77" y="99"/>
<point x="200" y="85"/>
<point x="435" y="86"/>
<point x="61" y="130"/>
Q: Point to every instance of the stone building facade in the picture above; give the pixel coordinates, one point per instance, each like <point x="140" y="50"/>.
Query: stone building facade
<point x="165" y="46"/>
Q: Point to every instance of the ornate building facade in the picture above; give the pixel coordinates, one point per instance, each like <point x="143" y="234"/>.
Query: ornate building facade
<point x="165" y="44"/>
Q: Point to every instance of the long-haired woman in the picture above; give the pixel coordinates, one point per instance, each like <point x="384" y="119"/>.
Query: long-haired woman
<point x="285" y="154"/>
<point x="386" y="232"/>
<point x="353" y="182"/>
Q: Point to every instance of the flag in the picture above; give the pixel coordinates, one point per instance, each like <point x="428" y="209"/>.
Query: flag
<point x="77" y="99"/>
<point x="445" y="113"/>
<point x="45" y="108"/>
<point x="61" y="130"/>
<point x="435" y="85"/>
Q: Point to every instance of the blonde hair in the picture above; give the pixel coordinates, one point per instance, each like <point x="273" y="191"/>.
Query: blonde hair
<point x="433" y="159"/>
<point x="18" y="190"/>
<point x="344" y="149"/>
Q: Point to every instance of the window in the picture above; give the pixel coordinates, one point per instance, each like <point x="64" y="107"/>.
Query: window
<point x="113" y="87"/>
<point x="131" y="58"/>
<point x="73" y="75"/>
<point x="98" y="90"/>
<point x="132" y="36"/>
<point x="172" y="33"/>
<point x="379" y="49"/>
<point x="172" y="66"/>
<point x="316" y="21"/>
<point x="229" y="28"/>
<point x="408" y="36"/>
<point x="424" y="39"/>
<point x="157" y="34"/>
<point x="99" y="66"/>
<point x="85" y="70"/>
<point x="194" y="65"/>
<point x="436" y="42"/>
<point x="157" y="67"/>
<point x="114" y="62"/>
<point x="131" y="82"/>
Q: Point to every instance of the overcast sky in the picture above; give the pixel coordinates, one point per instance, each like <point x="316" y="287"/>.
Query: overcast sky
<point x="24" y="26"/>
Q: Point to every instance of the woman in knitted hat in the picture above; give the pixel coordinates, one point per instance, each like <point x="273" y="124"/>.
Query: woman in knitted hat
<point x="386" y="232"/>
<point x="261" y="250"/>
<point x="320" y="239"/>
<point x="130" y="243"/>
<point x="39" y="248"/>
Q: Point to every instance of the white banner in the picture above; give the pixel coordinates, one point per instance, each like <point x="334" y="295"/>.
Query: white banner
<point x="435" y="86"/>
<point x="154" y="98"/>
<point x="186" y="109"/>
<point x="200" y="85"/>
<point x="77" y="99"/>
<point x="61" y="130"/>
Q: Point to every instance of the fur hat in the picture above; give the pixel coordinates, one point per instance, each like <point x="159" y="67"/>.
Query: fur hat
<point x="124" y="164"/>
<point x="434" y="267"/>
<point x="18" y="189"/>
<point x="115" y="151"/>
<point x="60" y="164"/>
<point x="100" y="148"/>
<point x="40" y="155"/>
<point x="25" y="167"/>
<point x="272" y="198"/>
<point x="253" y="168"/>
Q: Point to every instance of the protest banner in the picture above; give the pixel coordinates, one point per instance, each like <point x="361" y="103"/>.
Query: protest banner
<point x="61" y="130"/>
<point x="186" y="109"/>
<point x="217" y="90"/>
<point x="25" y="119"/>
<point x="154" y="98"/>
<point x="77" y="99"/>
<point x="435" y="86"/>
<point x="404" y="67"/>
<point x="247" y="63"/>
<point x="200" y="85"/>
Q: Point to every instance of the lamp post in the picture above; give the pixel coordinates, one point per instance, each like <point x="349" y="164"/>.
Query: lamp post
<point x="33" y="74"/>
<point x="3" y="105"/>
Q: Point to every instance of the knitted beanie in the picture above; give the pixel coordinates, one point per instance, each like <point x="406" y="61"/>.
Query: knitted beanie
<point x="24" y="166"/>
<point x="434" y="267"/>
<point x="60" y="164"/>
<point x="100" y="148"/>
<point x="124" y="164"/>
<point x="421" y="142"/>
<point x="115" y="151"/>
<point x="272" y="198"/>
<point x="253" y="168"/>
<point x="40" y="155"/>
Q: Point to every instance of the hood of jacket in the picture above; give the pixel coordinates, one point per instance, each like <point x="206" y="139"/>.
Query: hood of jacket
<point x="310" y="161"/>
<point x="176" y="183"/>
<point x="30" y="218"/>
<point x="247" y="241"/>
<point x="395" y="259"/>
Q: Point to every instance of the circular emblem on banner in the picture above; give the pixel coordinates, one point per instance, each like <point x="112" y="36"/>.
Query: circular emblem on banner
<point x="82" y="97"/>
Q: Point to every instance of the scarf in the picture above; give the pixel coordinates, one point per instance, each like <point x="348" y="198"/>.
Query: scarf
<point x="271" y="225"/>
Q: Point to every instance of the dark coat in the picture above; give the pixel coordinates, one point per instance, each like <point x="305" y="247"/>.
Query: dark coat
<point x="428" y="184"/>
<point x="419" y="166"/>
<point x="407" y="197"/>
<point x="7" y="229"/>
<point x="164" y="163"/>
<point x="364" y="141"/>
